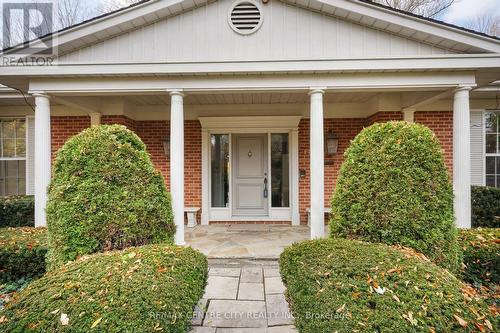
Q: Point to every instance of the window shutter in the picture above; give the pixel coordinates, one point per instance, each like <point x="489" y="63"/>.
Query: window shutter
<point x="30" y="155"/>
<point x="477" y="147"/>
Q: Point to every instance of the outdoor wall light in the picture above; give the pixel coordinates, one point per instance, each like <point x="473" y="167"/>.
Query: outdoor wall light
<point x="166" y="147"/>
<point x="332" y="143"/>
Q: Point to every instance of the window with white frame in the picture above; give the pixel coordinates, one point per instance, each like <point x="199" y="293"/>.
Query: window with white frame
<point x="12" y="156"/>
<point x="492" y="149"/>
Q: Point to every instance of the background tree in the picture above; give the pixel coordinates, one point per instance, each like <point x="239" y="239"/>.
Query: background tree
<point x="427" y="8"/>
<point x="487" y="23"/>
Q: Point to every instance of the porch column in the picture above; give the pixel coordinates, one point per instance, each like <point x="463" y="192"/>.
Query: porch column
<point x="42" y="156"/>
<point x="317" y="164"/>
<point x="177" y="162"/>
<point x="461" y="157"/>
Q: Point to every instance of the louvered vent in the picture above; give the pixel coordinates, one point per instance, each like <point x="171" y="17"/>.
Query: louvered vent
<point x="245" y="18"/>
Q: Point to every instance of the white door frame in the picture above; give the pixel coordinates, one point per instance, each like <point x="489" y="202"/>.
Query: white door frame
<point x="258" y="124"/>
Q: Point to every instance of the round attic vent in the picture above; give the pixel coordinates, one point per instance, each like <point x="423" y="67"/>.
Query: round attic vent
<point x="245" y="17"/>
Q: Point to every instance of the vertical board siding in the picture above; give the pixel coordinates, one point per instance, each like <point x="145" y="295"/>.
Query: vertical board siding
<point x="287" y="32"/>
<point x="476" y="148"/>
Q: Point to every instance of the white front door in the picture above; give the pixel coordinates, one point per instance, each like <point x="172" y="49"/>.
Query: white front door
<point x="250" y="181"/>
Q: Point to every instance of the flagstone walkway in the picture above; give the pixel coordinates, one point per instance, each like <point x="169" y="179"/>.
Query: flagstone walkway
<point x="243" y="296"/>
<point x="244" y="241"/>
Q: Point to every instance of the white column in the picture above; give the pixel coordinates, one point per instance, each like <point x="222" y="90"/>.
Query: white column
<point x="177" y="162"/>
<point x="42" y="156"/>
<point x="317" y="164"/>
<point x="461" y="157"/>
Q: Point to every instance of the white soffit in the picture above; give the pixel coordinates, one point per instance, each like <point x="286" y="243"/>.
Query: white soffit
<point x="408" y="26"/>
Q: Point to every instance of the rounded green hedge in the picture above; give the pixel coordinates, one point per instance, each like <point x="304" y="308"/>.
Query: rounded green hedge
<point x="481" y="249"/>
<point x="393" y="188"/>
<point x="22" y="253"/>
<point x="17" y="211"/>
<point x="340" y="285"/>
<point x="105" y="194"/>
<point x="152" y="288"/>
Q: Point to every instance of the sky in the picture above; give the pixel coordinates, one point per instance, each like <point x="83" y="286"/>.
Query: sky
<point x="464" y="10"/>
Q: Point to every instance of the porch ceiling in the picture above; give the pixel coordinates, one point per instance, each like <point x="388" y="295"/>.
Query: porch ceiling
<point x="251" y="98"/>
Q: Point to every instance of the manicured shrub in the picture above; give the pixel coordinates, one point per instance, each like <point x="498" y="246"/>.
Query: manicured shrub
<point x="485" y="207"/>
<point x="152" y="288"/>
<point x="481" y="249"/>
<point x="17" y="211"/>
<point x="340" y="285"/>
<point x="393" y="188"/>
<point x="105" y="194"/>
<point x="22" y="253"/>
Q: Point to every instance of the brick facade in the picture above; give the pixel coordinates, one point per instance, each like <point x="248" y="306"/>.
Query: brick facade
<point x="153" y="133"/>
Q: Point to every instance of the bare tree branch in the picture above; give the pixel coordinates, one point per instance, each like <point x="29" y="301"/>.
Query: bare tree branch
<point x="427" y="8"/>
<point x="487" y="23"/>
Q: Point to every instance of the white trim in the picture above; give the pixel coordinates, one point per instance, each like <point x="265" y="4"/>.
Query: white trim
<point x="205" y="177"/>
<point x="233" y="125"/>
<point x="485" y="154"/>
<point x="151" y="11"/>
<point x="436" y="62"/>
<point x="249" y="123"/>
<point x="405" y="20"/>
<point x="246" y="83"/>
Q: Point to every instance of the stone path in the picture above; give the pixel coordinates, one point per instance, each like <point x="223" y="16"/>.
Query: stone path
<point x="244" y="241"/>
<point x="243" y="296"/>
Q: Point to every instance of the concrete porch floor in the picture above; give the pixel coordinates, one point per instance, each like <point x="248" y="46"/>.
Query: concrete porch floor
<point x="251" y="241"/>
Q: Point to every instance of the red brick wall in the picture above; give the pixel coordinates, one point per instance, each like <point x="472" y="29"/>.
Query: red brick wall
<point x="345" y="129"/>
<point x="153" y="133"/>
<point x="441" y="123"/>
<point x="62" y="128"/>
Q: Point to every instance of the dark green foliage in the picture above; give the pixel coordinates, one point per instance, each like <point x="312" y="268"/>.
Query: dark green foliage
<point x="105" y="194"/>
<point x="393" y="188"/>
<point x="17" y="211"/>
<point x="152" y="288"/>
<point x="332" y="287"/>
<point x="22" y="253"/>
<point x="485" y="207"/>
<point x="481" y="249"/>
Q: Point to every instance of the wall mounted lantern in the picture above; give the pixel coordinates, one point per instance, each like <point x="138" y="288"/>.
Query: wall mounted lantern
<point x="331" y="144"/>
<point x="166" y="147"/>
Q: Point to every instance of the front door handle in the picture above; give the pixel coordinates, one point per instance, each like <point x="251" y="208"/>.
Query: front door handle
<point x="265" y="185"/>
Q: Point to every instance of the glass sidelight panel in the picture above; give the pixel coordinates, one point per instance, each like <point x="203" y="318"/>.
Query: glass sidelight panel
<point x="219" y="170"/>
<point x="280" y="170"/>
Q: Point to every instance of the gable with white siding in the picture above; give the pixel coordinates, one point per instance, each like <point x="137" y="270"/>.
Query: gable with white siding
<point x="287" y="33"/>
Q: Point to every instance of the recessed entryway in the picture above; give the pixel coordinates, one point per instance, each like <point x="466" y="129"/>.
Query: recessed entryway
<point x="250" y="169"/>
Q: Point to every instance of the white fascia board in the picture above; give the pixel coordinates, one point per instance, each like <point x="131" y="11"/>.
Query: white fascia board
<point x="415" y="23"/>
<point x="433" y="63"/>
<point x="233" y="83"/>
<point x="94" y="26"/>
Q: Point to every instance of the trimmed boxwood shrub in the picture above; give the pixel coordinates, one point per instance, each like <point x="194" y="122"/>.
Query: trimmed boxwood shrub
<point x="481" y="249"/>
<point x="393" y="188"/>
<point x="485" y="207"/>
<point x="105" y="194"/>
<point x="144" y="289"/>
<point x="22" y="253"/>
<point x="17" y="211"/>
<point x="340" y="285"/>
